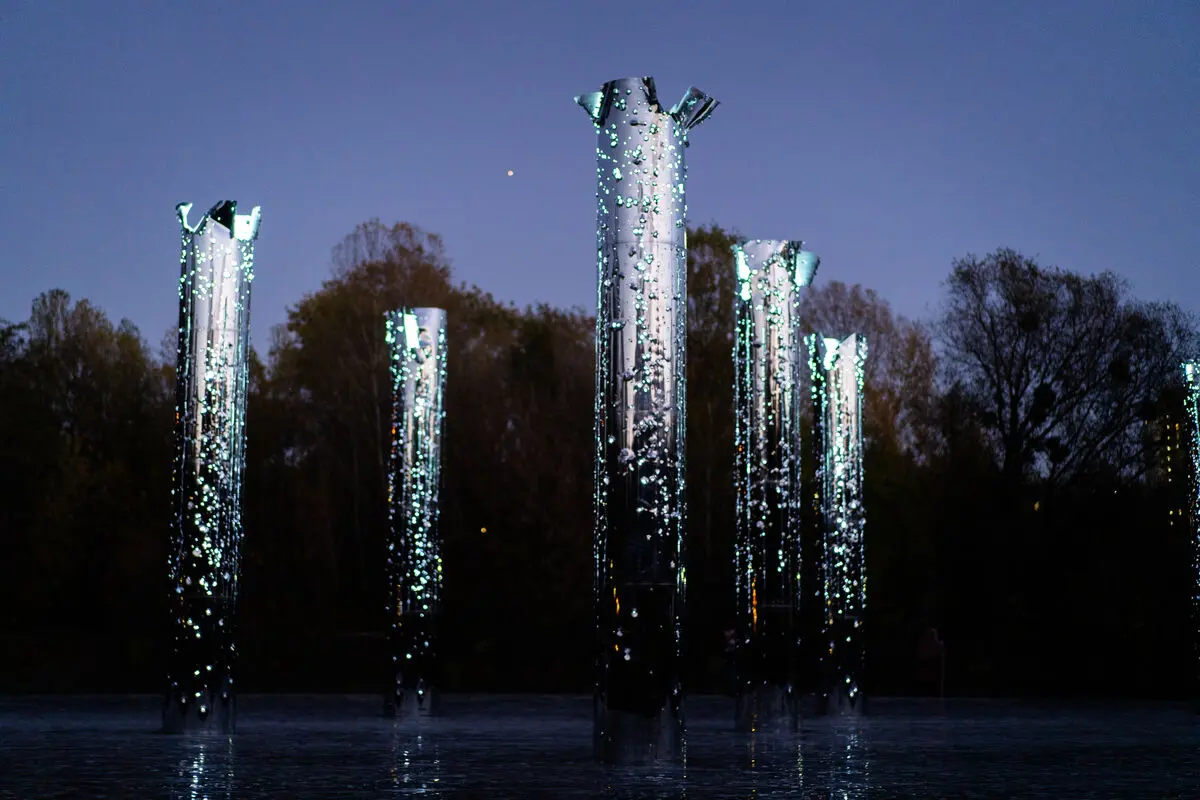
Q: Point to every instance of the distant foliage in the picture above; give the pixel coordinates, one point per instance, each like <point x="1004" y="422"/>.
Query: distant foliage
<point x="1018" y="470"/>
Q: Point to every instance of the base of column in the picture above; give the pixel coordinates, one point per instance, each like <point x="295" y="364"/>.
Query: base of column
<point x="628" y="738"/>
<point x="205" y="715"/>
<point x="417" y="703"/>
<point x="767" y="708"/>
<point x="839" y="703"/>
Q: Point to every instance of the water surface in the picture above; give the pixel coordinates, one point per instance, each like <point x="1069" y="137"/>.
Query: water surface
<point x="326" y="746"/>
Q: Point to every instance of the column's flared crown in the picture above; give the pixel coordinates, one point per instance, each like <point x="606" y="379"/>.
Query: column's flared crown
<point x="244" y="227"/>
<point x="693" y="108"/>
<point x="755" y="254"/>
<point x="832" y="350"/>
<point x="419" y="329"/>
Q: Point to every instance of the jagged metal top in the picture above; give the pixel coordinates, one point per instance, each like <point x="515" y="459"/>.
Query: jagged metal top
<point x="243" y="226"/>
<point x="693" y="108"/>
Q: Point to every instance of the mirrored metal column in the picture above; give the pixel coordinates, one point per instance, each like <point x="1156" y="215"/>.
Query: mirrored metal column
<point x="416" y="340"/>
<point x="837" y="369"/>
<point x="1191" y="375"/>
<point x="641" y="337"/>
<point x="769" y="357"/>
<point x="212" y="373"/>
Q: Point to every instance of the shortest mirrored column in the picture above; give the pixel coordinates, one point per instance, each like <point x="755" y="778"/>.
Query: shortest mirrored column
<point x="211" y="371"/>
<point x="416" y="341"/>
<point x="837" y="369"/>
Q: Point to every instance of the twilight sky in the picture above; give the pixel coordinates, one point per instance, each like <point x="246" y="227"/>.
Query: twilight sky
<point x="891" y="136"/>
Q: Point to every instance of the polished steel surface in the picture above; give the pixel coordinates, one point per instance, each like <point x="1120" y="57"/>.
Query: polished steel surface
<point x="641" y="341"/>
<point x="770" y="357"/>
<point x="417" y="346"/>
<point x="217" y="267"/>
<point x="1191" y="377"/>
<point x="838" y="372"/>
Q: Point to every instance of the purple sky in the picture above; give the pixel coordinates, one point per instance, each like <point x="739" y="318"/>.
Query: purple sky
<point x="891" y="136"/>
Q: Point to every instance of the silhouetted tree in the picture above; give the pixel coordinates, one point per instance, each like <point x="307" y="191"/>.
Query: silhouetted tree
<point x="84" y="451"/>
<point x="1061" y="370"/>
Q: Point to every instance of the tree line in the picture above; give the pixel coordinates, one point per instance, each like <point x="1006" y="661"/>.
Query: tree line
<point x="1026" y="483"/>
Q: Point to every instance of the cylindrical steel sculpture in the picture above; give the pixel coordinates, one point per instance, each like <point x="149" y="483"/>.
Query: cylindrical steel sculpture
<point x="837" y="369"/>
<point x="417" y="344"/>
<point x="769" y="360"/>
<point x="641" y="337"/>
<point x="1191" y="375"/>
<point x="217" y="267"/>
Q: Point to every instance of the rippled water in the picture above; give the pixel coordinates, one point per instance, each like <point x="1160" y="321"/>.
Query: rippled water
<point x="534" y="747"/>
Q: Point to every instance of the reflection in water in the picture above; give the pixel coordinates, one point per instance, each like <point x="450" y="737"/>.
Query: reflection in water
<point x="769" y="755"/>
<point x="849" y="776"/>
<point x="416" y="766"/>
<point x="307" y="748"/>
<point x="205" y="769"/>
<point x="828" y="761"/>
<point x="649" y="782"/>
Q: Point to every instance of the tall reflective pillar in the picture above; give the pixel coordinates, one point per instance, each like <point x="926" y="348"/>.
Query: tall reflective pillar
<point x="770" y="356"/>
<point x="1191" y="375"/>
<point x="212" y="374"/>
<point x="641" y="338"/>
<point x="416" y="341"/>
<point x="837" y="369"/>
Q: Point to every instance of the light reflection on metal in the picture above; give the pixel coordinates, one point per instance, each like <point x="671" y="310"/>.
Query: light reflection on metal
<point x="1191" y="375"/>
<point x="212" y="374"/>
<point x="641" y="334"/>
<point x="416" y="341"/>
<point x="769" y="356"/>
<point x="837" y="369"/>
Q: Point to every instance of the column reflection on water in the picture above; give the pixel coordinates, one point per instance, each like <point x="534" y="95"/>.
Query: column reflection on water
<point x="769" y="359"/>
<point x="837" y="369"/>
<point x="1191" y="375"/>
<point x="416" y="766"/>
<point x="641" y="333"/>
<point x="416" y="340"/>
<point x="830" y="760"/>
<point x="850" y="766"/>
<point x="217" y="267"/>
<point x="205" y="772"/>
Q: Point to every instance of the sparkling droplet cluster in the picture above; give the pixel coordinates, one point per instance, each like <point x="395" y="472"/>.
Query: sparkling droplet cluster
<point x="212" y="374"/>
<point x="837" y="370"/>
<point x="416" y="340"/>
<point x="769" y="355"/>
<point x="641" y="337"/>
<point x="1191" y="374"/>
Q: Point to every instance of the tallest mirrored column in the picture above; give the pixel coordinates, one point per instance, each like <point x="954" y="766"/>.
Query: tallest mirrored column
<point x="641" y="337"/>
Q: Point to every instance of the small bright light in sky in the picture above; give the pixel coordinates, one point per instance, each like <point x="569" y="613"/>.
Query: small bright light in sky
<point x="510" y="172"/>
